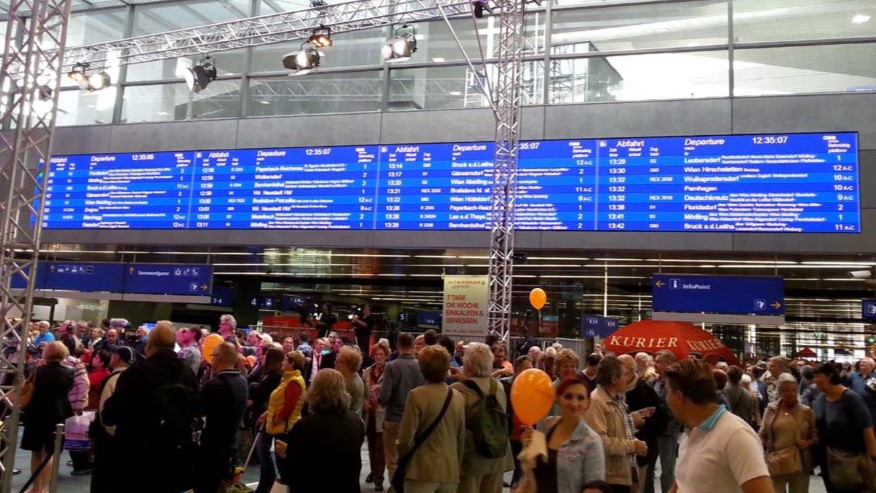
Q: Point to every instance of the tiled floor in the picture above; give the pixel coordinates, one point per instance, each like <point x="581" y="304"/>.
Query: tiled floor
<point x="81" y="484"/>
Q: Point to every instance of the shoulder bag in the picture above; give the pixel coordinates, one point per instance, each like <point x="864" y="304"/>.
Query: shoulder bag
<point x="398" y="479"/>
<point x="849" y="470"/>
<point x="787" y="460"/>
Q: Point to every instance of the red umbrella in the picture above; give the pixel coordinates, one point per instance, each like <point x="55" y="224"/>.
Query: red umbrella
<point x="681" y="338"/>
<point x="806" y="353"/>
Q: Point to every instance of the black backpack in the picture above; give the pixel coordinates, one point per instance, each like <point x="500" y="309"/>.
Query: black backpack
<point x="175" y="409"/>
<point x="488" y="422"/>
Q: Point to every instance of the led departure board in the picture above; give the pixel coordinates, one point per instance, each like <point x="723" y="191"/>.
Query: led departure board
<point x="731" y="183"/>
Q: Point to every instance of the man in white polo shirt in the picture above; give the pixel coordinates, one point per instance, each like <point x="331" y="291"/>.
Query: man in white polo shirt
<point x="719" y="452"/>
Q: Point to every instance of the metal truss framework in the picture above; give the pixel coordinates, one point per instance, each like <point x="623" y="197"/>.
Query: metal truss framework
<point x="34" y="75"/>
<point x="257" y="31"/>
<point x="29" y="101"/>
<point x="508" y="91"/>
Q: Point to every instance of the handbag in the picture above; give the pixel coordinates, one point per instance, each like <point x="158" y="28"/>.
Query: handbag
<point x="398" y="479"/>
<point x="76" y="431"/>
<point x="784" y="461"/>
<point x="848" y="470"/>
<point x="787" y="460"/>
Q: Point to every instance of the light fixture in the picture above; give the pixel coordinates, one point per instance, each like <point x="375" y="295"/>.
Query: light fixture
<point x="860" y="18"/>
<point x="201" y="74"/>
<point x="94" y="82"/>
<point x="302" y="61"/>
<point x="403" y="46"/>
<point x="321" y="37"/>
<point x="98" y="81"/>
<point x="79" y="74"/>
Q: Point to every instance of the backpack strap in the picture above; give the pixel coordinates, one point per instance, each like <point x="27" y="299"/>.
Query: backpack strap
<point x="474" y="386"/>
<point x="428" y="431"/>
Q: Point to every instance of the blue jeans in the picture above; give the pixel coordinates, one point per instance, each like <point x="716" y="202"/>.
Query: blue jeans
<point x="268" y="473"/>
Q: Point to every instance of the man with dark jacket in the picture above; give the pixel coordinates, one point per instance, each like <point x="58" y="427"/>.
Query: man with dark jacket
<point x="223" y="402"/>
<point x="153" y="408"/>
<point x="643" y="397"/>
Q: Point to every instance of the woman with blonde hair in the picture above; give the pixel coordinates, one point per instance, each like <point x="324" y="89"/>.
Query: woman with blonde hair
<point x="48" y="407"/>
<point x="434" y="466"/>
<point x="348" y="362"/>
<point x="324" y="451"/>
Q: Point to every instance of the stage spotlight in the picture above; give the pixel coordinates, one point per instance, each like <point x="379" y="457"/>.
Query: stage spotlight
<point x="321" y="37"/>
<point x="79" y="74"/>
<point x="98" y="81"/>
<point x="200" y="75"/>
<point x="403" y="46"/>
<point x="94" y="82"/>
<point x="302" y="61"/>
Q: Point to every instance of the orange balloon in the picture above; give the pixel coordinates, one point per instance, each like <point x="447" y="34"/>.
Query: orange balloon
<point x="532" y="396"/>
<point x="537" y="298"/>
<point x="209" y="345"/>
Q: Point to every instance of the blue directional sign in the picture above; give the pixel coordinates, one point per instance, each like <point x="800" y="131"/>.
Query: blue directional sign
<point x="19" y="282"/>
<point x="83" y="276"/>
<point x="180" y="279"/>
<point x="597" y="325"/>
<point x="222" y="296"/>
<point x="868" y="310"/>
<point x="718" y="294"/>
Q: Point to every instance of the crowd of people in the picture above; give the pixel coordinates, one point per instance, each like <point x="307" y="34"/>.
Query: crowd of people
<point x="173" y="413"/>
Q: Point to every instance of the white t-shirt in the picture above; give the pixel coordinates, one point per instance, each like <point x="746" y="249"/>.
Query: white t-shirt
<point x="720" y="455"/>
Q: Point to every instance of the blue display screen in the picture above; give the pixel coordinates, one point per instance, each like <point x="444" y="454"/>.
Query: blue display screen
<point x="739" y="183"/>
<point x="428" y="318"/>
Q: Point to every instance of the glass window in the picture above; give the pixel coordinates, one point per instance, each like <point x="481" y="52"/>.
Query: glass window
<point x="804" y="69"/>
<point x="169" y="102"/>
<point x="170" y="16"/>
<point x="158" y="103"/>
<point x="596" y="3"/>
<point x="77" y="107"/>
<point x="791" y="20"/>
<point x="315" y="93"/>
<point x="348" y="50"/>
<point x="87" y="28"/>
<point x="639" y="77"/>
<point x="455" y="87"/>
<point x="435" y="41"/>
<point x="267" y="7"/>
<point x="220" y="99"/>
<point x="231" y="62"/>
<point x="664" y="25"/>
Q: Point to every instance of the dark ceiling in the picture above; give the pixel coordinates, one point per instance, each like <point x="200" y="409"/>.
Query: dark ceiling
<point x="818" y="288"/>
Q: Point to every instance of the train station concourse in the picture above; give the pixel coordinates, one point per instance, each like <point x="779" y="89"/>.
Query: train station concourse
<point x="538" y="246"/>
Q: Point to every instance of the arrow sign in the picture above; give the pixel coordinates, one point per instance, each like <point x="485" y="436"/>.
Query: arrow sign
<point x="167" y="279"/>
<point x="718" y="294"/>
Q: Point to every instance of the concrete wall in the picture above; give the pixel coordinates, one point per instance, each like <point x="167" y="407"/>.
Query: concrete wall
<point x="816" y="113"/>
